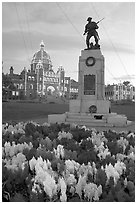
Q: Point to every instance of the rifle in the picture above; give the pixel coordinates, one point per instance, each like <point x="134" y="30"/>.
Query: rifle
<point x="100" y="20"/>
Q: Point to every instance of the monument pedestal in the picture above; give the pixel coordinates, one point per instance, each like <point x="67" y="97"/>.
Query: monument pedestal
<point x="90" y="108"/>
<point x="83" y="106"/>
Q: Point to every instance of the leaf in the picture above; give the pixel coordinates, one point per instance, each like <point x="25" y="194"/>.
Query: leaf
<point x="101" y="177"/>
<point x="18" y="198"/>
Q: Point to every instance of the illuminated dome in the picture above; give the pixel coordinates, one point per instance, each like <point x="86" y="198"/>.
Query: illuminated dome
<point x="43" y="56"/>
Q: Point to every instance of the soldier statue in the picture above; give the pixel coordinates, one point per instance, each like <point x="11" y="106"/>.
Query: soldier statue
<point x="90" y="29"/>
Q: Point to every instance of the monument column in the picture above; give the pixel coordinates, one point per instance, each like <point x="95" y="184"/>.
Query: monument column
<point x="90" y="108"/>
<point x="91" y="83"/>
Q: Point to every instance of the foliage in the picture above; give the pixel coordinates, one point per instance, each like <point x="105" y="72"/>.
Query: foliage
<point x="62" y="163"/>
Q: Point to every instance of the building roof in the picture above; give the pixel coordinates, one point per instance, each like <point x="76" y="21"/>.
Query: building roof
<point x="41" y="55"/>
<point x="74" y="84"/>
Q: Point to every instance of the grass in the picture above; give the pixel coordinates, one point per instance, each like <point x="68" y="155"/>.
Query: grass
<point x="15" y="111"/>
<point x="27" y="111"/>
<point x="125" y="109"/>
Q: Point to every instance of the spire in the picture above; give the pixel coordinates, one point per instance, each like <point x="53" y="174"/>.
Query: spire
<point x="42" y="45"/>
<point x="11" y="70"/>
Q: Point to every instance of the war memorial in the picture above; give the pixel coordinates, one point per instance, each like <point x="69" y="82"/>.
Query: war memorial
<point x="60" y="162"/>
<point x="91" y="108"/>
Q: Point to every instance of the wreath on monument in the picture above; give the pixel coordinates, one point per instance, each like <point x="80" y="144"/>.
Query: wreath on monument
<point x="93" y="109"/>
<point x="90" y="61"/>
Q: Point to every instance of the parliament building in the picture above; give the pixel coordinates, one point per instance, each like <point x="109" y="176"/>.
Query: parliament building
<point x="41" y="80"/>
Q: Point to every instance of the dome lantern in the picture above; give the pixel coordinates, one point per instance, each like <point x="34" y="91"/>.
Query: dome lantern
<point x="43" y="56"/>
<point x="42" y="45"/>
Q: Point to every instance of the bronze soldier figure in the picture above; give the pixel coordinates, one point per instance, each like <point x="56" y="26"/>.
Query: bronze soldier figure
<point x="90" y="29"/>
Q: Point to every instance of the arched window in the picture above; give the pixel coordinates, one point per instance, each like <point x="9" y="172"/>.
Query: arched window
<point x="40" y="87"/>
<point x="17" y="93"/>
<point x="29" y="77"/>
<point x="21" y="86"/>
<point x="31" y="86"/>
<point x="17" y="85"/>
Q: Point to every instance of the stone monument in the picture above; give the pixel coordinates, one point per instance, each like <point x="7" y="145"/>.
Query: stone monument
<point x="91" y="95"/>
<point x="90" y="108"/>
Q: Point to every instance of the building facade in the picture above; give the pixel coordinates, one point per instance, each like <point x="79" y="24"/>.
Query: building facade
<point x="41" y="80"/>
<point x="120" y="91"/>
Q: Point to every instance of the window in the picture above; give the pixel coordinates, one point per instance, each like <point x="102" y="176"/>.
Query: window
<point x="13" y="93"/>
<point x="33" y="78"/>
<point x="17" y="93"/>
<point x="31" y="86"/>
<point x="17" y="85"/>
<point x="29" y="77"/>
<point x="40" y="87"/>
<point x="21" y="86"/>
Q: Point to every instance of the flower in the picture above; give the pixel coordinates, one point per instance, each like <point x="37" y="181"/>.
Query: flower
<point x="120" y="157"/>
<point x="85" y="128"/>
<point x="7" y="148"/>
<point x="120" y="167"/>
<point x="64" y="135"/>
<point x="71" y="180"/>
<point x="125" y="182"/>
<point x="97" y="139"/>
<point x="36" y="188"/>
<point x="32" y="163"/>
<point x="63" y="188"/>
<point x="131" y="156"/>
<point x="131" y="135"/>
<point x="92" y="192"/>
<point x="63" y="198"/>
<point x="123" y="143"/>
<point x="50" y="186"/>
<point x="19" y="159"/>
<point x="72" y="190"/>
<point x="103" y="154"/>
<point x="70" y="166"/>
<point x="46" y="124"/>
<point x="80" y="185"/>
<point x="59" y="153"/>
<point x="111" y="172"/>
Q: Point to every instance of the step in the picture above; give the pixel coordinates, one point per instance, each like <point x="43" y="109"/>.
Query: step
<point x="90" y="116"/>
<point x="85" y="118"/>
<point x="89" y="124"/>
<point x="89" y="120"/>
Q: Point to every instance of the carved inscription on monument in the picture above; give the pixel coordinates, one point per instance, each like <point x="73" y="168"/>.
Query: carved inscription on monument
<point x="89" y="84"/>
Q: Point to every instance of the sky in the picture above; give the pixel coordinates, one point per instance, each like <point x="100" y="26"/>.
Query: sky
<point x="61" y="25"/>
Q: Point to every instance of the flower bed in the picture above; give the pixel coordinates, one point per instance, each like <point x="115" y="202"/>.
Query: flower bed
<point x="53" y="163"/>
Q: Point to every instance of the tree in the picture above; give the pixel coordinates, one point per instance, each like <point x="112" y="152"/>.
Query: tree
<point x="7" y="86"/>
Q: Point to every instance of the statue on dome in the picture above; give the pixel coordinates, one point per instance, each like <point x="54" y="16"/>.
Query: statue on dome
<point x="91" y="31"/>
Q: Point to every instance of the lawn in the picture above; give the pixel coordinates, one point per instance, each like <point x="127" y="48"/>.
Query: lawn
<point x="28" y="111"/>
<point x="125" y="109"/>
<point x="15" y="111"/>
